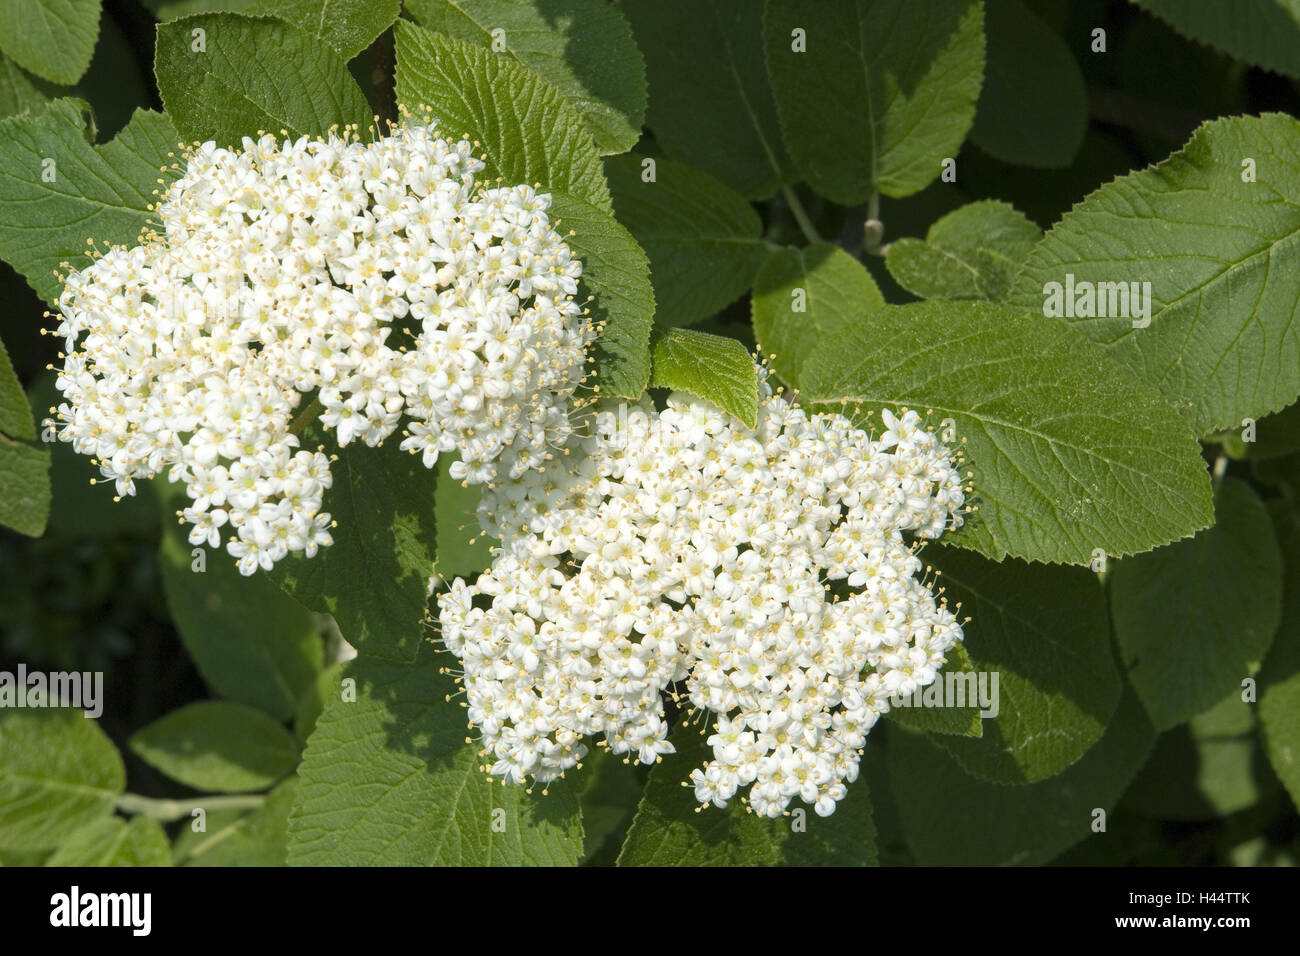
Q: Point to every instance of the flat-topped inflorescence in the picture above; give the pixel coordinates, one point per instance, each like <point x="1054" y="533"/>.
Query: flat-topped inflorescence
<point x="763" y="573"/>
<point x="379" y="276"/>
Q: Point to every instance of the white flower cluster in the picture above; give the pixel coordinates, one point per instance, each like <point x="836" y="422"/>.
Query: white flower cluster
<point x="378" y="276"/>
<point x="765" y="568"/>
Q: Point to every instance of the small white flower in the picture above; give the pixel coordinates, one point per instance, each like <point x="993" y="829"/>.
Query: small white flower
<point x="685" y="549"/>
<point x="297" y="267"/>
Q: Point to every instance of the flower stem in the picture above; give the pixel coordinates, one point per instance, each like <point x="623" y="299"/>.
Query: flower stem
<point x="165" y="810"/>
<point x="306" y="417"/>
<point x="873" y="230"/>
<point x="800" y="215"/>
<point x="1220" y="470"/>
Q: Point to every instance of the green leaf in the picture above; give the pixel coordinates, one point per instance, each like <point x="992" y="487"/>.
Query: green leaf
<point x="609" y="789"/>
<point x="528" y="131"/>
<point x="464" y="549"/>
<point x="883" y="95"/>
<point x="217" y="825"/>
<point x="963" y="721"/>
<point x="1203" y="770"/>
<point x="668" y="832"/>
<point x="111" y="841"/>
<point x="251" y="642"/>
<point x="47" y="212"/>
<point x="312" y="702"/>
<point x="166" y="10"/>
<point x="891" y="842"/>
<point x="1033" y="109"/>
<point x="1220" y="255"/>
<point x="24" y="487"/>
<point x="584" y="48"/>
<point x="349" y="26"/>
<point x="218" y="746"/>
<point x="253" y="75"/>
<point x="803" y="296"/>
<point x="259" y="838"/>
<point x="24" y="468"/>
<point x="15" y="412"/>
<point x="1193" y="619"/>
<point x="704" y="241"/>
<point x="1231" y="717"/>
<point x="1263" y="32"/>
<point x="374" y="578"/>
<point x="1279" y="679"/>
<point x="953" y="819"/>
<point x="1044" y="631"/>
<point x="616" y="273"/>
<point x="388" y="779"/>
<point x="18" y="94"/>
<point x="710" y="100"/>
<point x="712" y="367"/>
<point x="846" y="838"/>
<point x="54" y="39"/>
<point x="1069" y="454"/>
<point x="973" y="252"/>
<point x="61" y="772"/>
<point x="23" y="857"/>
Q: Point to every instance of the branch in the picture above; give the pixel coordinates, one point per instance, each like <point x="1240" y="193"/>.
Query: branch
<point x="800" y="215"/>
<point x="166" y="810"/>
